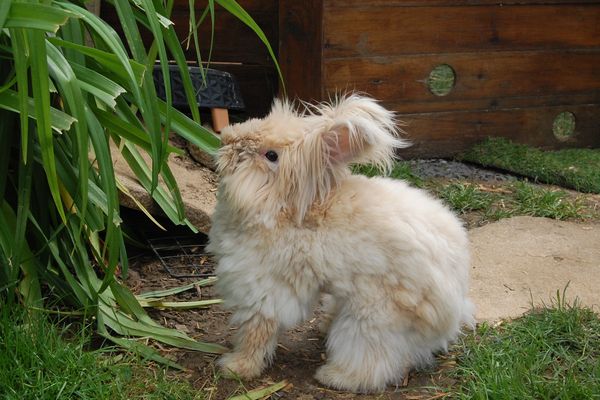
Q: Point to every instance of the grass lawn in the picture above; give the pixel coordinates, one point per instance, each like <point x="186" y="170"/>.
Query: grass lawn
<point x="550" y="353"/>
<point x="401" y="170"/>
<point x="488" y="204"/>
<point x="578" y="169"/>
<point x="519" y="198"/>
<point x="40" y="359"/>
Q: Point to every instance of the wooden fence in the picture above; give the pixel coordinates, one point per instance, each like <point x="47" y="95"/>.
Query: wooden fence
<point x="517" y="69"/>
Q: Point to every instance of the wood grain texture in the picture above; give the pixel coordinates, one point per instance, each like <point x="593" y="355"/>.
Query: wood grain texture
<point x="479" y="76"/>
<point x="422" y="30"/>
<point x="445" y="134"/>
<point x="300" y="49"/>
<point x="518" y="63"/>
<point x="403" y="106"/>
<point x="233" y="40"/>
<point x="339" y="4"/>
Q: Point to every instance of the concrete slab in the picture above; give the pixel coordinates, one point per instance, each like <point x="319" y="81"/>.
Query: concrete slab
<point x="524" y="259"/>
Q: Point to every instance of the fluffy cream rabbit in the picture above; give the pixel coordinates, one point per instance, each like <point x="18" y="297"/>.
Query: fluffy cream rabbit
<point x="292" y="222"/>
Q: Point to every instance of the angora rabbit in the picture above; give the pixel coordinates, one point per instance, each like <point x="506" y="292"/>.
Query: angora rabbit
<point x="292" y="222"/>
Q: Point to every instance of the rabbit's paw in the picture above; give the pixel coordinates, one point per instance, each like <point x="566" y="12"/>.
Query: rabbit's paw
<point x="342" y="379"/>
<point x="237" y="365"/>
<point x="325" y="323"/>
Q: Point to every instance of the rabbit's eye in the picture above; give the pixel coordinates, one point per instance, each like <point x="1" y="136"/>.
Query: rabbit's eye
<point x="271" y="156"/>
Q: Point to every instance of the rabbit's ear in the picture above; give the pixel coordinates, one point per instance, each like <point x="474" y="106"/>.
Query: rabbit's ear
<point x="358" y="130"/>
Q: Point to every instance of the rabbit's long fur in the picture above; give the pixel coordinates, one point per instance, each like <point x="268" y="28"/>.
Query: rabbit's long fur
<point x="392" y="261"/>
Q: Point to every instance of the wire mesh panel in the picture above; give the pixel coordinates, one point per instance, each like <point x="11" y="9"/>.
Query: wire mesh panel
<point x="182" y="257"/>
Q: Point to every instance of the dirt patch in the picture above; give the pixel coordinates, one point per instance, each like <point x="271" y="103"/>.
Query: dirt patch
<point x="300" y="351"/>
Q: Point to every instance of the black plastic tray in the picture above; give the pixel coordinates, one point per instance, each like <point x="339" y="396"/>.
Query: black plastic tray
<point x="216" y="89"/>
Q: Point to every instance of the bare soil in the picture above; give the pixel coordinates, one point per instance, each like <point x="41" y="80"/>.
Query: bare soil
<point x="300" y="351"/>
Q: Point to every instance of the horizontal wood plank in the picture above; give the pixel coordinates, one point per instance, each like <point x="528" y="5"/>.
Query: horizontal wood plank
<point x="480" y="78"/>
<point x="492" y="103"/>
<point x="251" y="6"/>
<point x="445" y="134"/>
<point x="300" y="48"/>
<point x="233" y="40"/>
<point x="424" y="30"/>
<point x="339" y="4"/>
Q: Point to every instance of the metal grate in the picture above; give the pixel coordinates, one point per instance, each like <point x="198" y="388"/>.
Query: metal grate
<point x="182" y="257"/>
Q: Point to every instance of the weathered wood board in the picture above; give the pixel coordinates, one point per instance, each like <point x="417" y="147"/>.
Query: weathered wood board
<point x="516" y="64"/>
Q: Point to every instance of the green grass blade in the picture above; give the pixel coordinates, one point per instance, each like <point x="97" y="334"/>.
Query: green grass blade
<point x="69" y="176"/>
<point x="171" y="186"/>
<point x="142" y="172"/>
<point x="36" y="16"/>
<point x="29" y="282"/>
<point x="574" y="168"/>
<point x="113" y="236"/>
<point x="41" y="96"/>
<point x="124" y="325"/>
<point x="111" y="40"/>
<point x="127" y="131"/>
<point x="190" y="92"/>
<point x="193" y="29"/>
<point x="211" y="7"/>
<point x="71" y="93"/>
<point x="179" y="305"/>
<point x="73" y="32"/>
<point x="7" y="129"/>
<point x="165" y="22"/>
<point x="158" y="294"/>
<point x="129" y="303"/>
<point x="136" y="347"/>
<point x="174" y="47"/>
<point x="257" y="394"/>
<point x="4" y="10"/>
<point x="25" y="175"/>
<point x="176" y="51"/>
<point x="110" y="61"/>
<point x="147" y="94"/>
<point x="21" y="55"/>
<point x="59" y="121"/>
<point x="97" y="84"/>
<point x="191" y="131"/>
<point x="76" y="287"/>
<point x="156" y="30"/>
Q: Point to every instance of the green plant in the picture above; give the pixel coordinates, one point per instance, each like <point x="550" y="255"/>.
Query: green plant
<point x="400" y="170"/>
<point x="520" y="198"/>
<point x="441" y="80"/>
<point x="72" y="91"/>
<point x="550" y="353"/>
<point x="464" y="197"/>
<point x="578" y="169"/>
<point x="539" y="202"/>
<point x="44" y="359"/>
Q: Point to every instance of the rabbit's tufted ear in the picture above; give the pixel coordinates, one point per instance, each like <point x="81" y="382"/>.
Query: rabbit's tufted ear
<point x="358" y="130"/>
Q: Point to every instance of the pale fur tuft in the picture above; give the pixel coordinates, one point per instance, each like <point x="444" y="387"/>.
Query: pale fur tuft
<point x="374" y="131"/>
<point x="393" y="261"/>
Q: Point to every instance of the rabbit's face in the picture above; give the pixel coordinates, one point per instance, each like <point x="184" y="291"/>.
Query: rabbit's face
<point x="255" y="157"/>
<point x="288" y="162"/>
